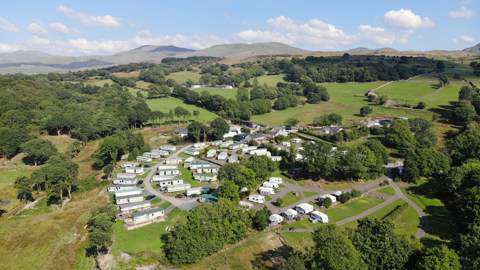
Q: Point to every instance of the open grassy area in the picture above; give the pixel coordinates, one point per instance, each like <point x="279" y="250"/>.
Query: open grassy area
<point x="387" y="190"/>
<point x="98" y="82"/>
<point x="298" y="240"/>
<point x="293" y="197"/>
<point x="351" y="208"/>
<point x="187" y="177"/>
<point x="246" y="254"/>
<point x="61" y="142"/>
<point x="34" y="237"/>
<point x="184" y="76"/>
<point x="226" y="93"/>
<point x="132" y="74"/>
<point x="270" y="80"/>
<point x="142" y="85"/>
<point x="167" y="104"/>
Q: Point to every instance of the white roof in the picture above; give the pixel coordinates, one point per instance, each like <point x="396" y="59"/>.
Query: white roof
<point x="318" y="214"/>
<point x="305" y="206"/>
<point x="276" y="218"/>
<point x="256" y="196"/>
<point x="291" y="212"/>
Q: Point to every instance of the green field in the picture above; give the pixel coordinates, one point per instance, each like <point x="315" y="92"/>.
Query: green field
<point x="351" y="208"/>
<point x="387" y="190"/>
<point x="167" y="104"/>
<point x="226" y="93"/>
<point x="184" y="76"/>
<point x="270" y="80"/>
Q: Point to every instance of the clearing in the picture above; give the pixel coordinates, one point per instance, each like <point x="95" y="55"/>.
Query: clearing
<point x="167" y="104"/>
<point x="183" y="76"/>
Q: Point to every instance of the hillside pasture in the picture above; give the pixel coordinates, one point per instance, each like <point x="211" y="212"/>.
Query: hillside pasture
<point x="167" y="104"/>
<point x="98" y="82"/>
<point x="127" y="75"/>
<point x="183" y="76"/>
<point x="270" y="80"/>
<point x="226" y="93"/>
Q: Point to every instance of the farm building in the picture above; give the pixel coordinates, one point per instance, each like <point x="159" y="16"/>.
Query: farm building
<point x="317" y="216"/>
<point x="304" y="208"/>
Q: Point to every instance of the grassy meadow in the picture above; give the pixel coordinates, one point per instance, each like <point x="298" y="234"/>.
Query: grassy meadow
<point x="167" y="104"/>
<point x="184" y="76"/>
<point x="270" y="80"/>
<point x="226" y="93"/>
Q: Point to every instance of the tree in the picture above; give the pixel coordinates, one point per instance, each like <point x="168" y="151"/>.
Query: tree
<point x="463" y="113"/>
<point x="197" y="132"/>
<point x="260" y="219"/>
<point x="100" y="230"/>
<point x="239" y="174"/>
<point x="469" y="248"/>
<point x="379" y="246"/>
<point x="327" y="202"/>
<point x="24" y="185"/>
<point x="334" y="251"/>
<point x="229" y="190"/>
<point x="420" y="105"/>
<point x="291" y="122"/>
<point x="399" y="136"/>
<point x="196" y="113"/>
<point x="181" y="112"/>
<point x="465" y="145"/>
<point x="365" y="110"/>
<point x="262" y="166"/>
<point x="10" y="141"/>
<point x="294" y="262"/>
<point x="38" y="151"/>
<point x="218" y="127"/>
<point x="439" y="258"/>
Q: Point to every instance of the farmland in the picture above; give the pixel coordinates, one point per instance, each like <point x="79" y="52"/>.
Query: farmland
<point x="183" y="76"/>
<point x="167" y="104"/>
<point x="270" y="80"/>
<point x="226" y="93"/>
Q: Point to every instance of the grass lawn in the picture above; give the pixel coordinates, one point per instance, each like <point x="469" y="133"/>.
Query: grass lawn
<point x="226" y="93"/>
<point x="61" y="142"/>
<point x="346" y="99"/>
<point x="351" y="208"/>
<point x="184" y="76"/>
<point x="270" y="80"/>
<point x="132" y="74"/>
<point x="167" y="104"/>
<point x="8" y="194"/>
<point x="142" y="85"/>
<point x="298" y="240"/>
<point x="290" y="199"/>
<point x="98" y="82"/>
<point x="187" y="177"/>
<point x="387" y="190"/>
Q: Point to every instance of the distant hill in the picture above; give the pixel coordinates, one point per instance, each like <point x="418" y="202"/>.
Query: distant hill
<point x="39" y="62"/>
<point x="475" y="49"/>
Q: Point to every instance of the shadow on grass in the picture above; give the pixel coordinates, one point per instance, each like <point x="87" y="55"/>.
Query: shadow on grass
<point x="270" y="259"/>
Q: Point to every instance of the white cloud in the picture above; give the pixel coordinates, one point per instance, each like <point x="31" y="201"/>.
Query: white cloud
<point x="252" y="36"/>
<point x="7" y="26"/>
<point x="37" y="29"/>
<point x="61" y="28"/>
<point x="5" y="47"/>
<point x="462" y="13"/>
<point x="86" y="46"/>
<point x="405" y="18"/>
<point x="376" y="35"/>
<point x="91" y="20"/>
<point x="38" y="42"/>
<point x="314" y="32"/>
<point x="464" y="39"/>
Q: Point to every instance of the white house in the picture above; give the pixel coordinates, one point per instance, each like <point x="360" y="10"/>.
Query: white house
<point x="331" y="197"/>
<point x="317" y="216"/>
<point x="290" y="214"/>
<point x="277" y="180"/>
<point x="138" y="206"/>
<point x="268" y="184"/>
<point x="276" y="158"/>
<point x="173" y="161"/>
<point x="211" y="153"/>
<point x="148" y="216"/>
<point x="275" y="219"/>
<point x="129" y="199"/>
<point x="304" y="208"/>
<point x="266" y="191"/>
<point x="194" y="191"/>
<point x="178" y="187"/>
<point x="128" y="182"/>
<point x="127" y="192"/>
<point x="168" y="147"/>
<point x="135" y="170"/>
<point x="126" y="176"/>
<point x="169" y="182"/>
<point x="222" y="156"/>
<point x="256" y="198"/>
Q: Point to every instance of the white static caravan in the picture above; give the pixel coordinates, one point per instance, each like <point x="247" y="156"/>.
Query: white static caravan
<point x="164" y="183"/>
<point x="276" y="158"/>
<point x="130" y="164"/>
<point x="168" y="171"/>
<point x="275" y="219"/>
<point x="256" y="198"/>
<point x="129" y="199"/>
<point x="304" y="208"/>
<point x="148" y="216"/>
<point x="125" y="182"/>
<point x="130" y="207"/>
<point x="270" y="185"/>
<point x="162" y="153"/>
<point x="247" y="149"/>
<point x="290" y="214"/>
<point x="226" y="144"/>
<point x="211" y="153"/>
<point x="158" y="178"/>
<point x="233" y="158"/>
<point x="133" y="191"/>
<point x="237" y="146"/>
<point x="173" y="161"/>
<point x="126" y="176"/>
<point x="222" y="156"/>
<point x="317" y="216"/>
<point x="153" y="155"/>
<point x="178" y="187"/>
<point x="192" y="151"/>
<point x="200" y="145"/>
<point x="205" y="177"/>
<point x="203" y="167"/>
<point x="116" y="188"/>
<point x="331" y="197"/>
<point x="259" y="152"/>
<point x="144" y="159"/>
<point x="266" y="191"/>
<point x="135" y="170"/>
<point x="168" y="147"/>
<point x="277" y="180"/>
<point x="194" y="191"/>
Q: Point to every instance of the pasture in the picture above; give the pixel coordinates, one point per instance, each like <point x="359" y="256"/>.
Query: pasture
<point x="183" y="76"/>
<point x="270" y="80"/>
<point x="226" y="93"/>
<point x="167" y="104"/>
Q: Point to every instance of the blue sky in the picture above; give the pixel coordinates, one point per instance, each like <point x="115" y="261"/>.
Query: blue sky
<point x="108" y="26"/>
